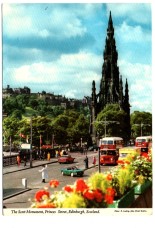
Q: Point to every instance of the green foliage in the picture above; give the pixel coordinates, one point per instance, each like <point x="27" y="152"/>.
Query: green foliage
<point x="67" y="126"/>
<point x="122" y="179"/>
<point x="142" y="167"/>
<point x="99" y="181"/>
<point x="141" y="123"/>
<point x="111" y="121"/>
<point x="10" y="128"/>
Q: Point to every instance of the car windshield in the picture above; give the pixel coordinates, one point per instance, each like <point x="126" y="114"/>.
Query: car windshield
<point x="73" y="168"/>
<point x="111" y="153"/>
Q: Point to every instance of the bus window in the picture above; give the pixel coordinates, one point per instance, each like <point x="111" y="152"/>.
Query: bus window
<point x="110" y="142"/>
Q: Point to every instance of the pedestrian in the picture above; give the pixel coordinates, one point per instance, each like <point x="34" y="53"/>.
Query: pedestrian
<point x="43" y="155"/>
<point x="86" y="162"/>
<point x="44" y="173"/>
<point x="24" y="160"/>
<point x="48" y="156"/>
<point x="57" y="153"/>
<point x="94" y="160"/>
<point x="18" y="160"/>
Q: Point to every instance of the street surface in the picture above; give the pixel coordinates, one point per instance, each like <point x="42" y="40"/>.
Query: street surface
<point x="15" y="195"/>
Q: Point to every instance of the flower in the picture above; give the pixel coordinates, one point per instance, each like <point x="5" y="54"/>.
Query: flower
<point x="68" y="188"/>
<point x="80" y="185"/>
<point x="54" y="183"/>
<point x="142" y="167"/>
<point x="122" y="179"/>
<point x="96" y="192"/>
<point x="41" y="194"/>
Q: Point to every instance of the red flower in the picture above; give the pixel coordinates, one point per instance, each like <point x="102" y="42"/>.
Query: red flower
<point x="88" y="195"/>
<point x="68" y="188"/>
<point x="40" y="194"/>
<point x="109" y="196"/>
<point x="81" y="185"/>
<point x="109" y="177"/>
<point x="127" y="162"/>
<point x="98" y="196"/>
<point x="54" y="183"/>
<point x="121" y="162"/>
<point x="49" y="205"/>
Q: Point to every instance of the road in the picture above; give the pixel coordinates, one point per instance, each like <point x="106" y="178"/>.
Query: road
<point x="12" y="182"/>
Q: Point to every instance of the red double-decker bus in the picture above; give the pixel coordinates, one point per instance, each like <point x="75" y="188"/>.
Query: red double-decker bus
<point x="144" y="143"/>
<point x="109" y="150"/>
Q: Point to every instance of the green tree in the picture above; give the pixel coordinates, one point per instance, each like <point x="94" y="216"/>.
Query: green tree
<point x="57" y="110"/>
<point x="10" y="128"/>
<point x="141" y="123"/>
<point x="17" y="114"/>
<point x="110" y="121"/>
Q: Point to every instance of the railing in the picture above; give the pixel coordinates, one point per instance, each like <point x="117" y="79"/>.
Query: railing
<point x="9" y="160"/>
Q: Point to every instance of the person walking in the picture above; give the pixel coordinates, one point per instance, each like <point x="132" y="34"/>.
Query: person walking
<point x="18" y="160"/>
<point x="86" y="162"/>
<point x="57" y="153"/>
<point x="94" y="160"/>
<point x="48" y="156"/>
<point x="44" y="173"/>
<point x="24" y="160"/>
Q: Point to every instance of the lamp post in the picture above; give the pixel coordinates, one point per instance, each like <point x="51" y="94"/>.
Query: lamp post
<point x="99" y="166"/>
<point x="141" y="127"/>
<point x="31" y="142"/>
<point x="105" y="122"/>
<point x="10" y="145"/>
<point x="98" y="143"/>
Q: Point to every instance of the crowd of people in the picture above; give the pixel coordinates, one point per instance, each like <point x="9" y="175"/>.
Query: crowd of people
<point x="46" y="155"/>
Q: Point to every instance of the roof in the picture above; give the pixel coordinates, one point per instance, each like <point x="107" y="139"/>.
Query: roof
<point x="112" y="138"/>
<point x="144" y="137"/>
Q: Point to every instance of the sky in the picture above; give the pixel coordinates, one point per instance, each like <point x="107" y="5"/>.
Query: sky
<point x="58" y="48"/>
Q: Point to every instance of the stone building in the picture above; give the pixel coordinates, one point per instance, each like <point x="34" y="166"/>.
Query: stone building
<point x="111" y="84"/>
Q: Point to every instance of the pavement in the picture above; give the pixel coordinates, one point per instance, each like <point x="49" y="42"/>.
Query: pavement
<point x="36" y="163"/>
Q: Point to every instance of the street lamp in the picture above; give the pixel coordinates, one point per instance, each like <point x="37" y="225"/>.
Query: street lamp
<point x="105" y="124"/>
<point x="99" y="166"/>
<point x="81" y="142"/>
<point x="31" y="143"/>
<point x="10" y="145"/>
<point x="141" y="127"/>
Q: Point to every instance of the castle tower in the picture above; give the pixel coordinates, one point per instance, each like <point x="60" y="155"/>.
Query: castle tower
<point x="111" y="84"/>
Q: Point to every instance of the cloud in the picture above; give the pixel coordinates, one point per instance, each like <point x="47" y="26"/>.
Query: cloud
<point x="58" y="47"/>
<point x="47" y="20"/>
<point x="70" y="74"/>
<point x="139" y="13"/>
<point x="133" y="34"/>
<point x="139" y="78"/>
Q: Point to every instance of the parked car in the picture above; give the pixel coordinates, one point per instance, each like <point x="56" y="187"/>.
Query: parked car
<point x="72" y="171"/>
<point x="66" y="159"/>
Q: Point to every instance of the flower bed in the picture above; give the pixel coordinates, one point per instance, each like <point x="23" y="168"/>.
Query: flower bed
<point x="95" y="193"/>
<point x="125" y="201"/>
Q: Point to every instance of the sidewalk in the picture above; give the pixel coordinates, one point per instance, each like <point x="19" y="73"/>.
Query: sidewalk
<point x="35" y="163"/>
